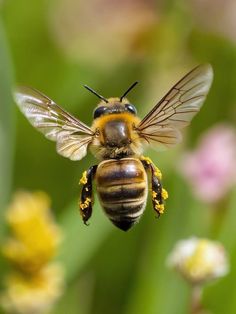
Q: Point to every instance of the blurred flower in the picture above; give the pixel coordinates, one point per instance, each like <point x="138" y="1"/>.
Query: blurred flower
<point x="37" y="282"/>
<point x="33" y="294"/>
<point x="103" y="31"/>
<point x="217" y="16"/>
<point x="211" y="168"/>
<point x="35" y="236"/>
<point x="199" y="260"/>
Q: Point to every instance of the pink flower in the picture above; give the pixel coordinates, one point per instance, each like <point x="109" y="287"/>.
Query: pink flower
<point x="211" y="168"/>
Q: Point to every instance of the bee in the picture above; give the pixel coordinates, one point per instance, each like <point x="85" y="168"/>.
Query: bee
<point x="117" y="138"/>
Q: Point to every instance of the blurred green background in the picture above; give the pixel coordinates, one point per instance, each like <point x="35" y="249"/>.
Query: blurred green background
<point x="56" y="47"/>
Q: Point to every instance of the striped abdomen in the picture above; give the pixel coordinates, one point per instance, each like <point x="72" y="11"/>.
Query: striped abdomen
<point x="122" y="190"/>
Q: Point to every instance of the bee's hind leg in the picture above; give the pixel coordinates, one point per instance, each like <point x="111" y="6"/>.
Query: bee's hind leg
<point x="86" y="199"/>
<point x="159" y="195"/>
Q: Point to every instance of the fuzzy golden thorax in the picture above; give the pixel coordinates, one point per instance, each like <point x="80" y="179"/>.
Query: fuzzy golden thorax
<point x="115" y="130"/>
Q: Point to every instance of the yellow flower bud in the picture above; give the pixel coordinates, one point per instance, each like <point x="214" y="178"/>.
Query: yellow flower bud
<point x="32" y="294"/>
<point x="35" y="236"/>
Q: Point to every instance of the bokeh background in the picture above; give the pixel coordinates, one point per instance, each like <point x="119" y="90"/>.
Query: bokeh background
<point x="56" y="47"/>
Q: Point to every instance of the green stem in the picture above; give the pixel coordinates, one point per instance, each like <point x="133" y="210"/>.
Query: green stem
<point x="218" y="213"/>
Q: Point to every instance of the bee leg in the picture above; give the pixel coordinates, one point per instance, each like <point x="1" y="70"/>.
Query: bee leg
<point x="86" y="200"/>
<point x="159" y="194"/>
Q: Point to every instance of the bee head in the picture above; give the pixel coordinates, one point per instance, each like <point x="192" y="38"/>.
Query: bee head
<point x="113" y="105"/>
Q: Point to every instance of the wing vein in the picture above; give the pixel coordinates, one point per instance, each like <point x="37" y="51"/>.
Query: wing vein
<point x="176" y="109"/>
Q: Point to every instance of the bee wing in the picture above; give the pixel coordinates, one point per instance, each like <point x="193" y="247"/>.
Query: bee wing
<point x="72" y="136"/>
<point x="177" y="108"/>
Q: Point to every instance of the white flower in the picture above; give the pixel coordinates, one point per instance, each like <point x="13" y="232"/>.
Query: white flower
<point x="199" y="260"/>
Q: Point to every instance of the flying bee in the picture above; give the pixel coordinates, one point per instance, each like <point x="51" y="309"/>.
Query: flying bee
<point x="117" y="138"/>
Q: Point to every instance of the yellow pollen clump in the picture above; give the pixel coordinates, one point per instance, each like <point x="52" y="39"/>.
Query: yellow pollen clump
<point x="85" y="204"/>
<point x="164" y="194"/>
<point x="147" y="159"/>
<point x="154" y="194"/>
<point x="160" y="208"/>
<point x="157" y="171"/>
<point x="84" y="179"/>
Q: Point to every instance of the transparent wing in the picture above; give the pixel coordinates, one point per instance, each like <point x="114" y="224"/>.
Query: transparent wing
<point x="177" y="108"/>
<point x="72" y="136"/>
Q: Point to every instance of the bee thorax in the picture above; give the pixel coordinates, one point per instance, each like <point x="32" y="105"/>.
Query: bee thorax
<point x="116" y="134"/>
<point x="116" y="137"/>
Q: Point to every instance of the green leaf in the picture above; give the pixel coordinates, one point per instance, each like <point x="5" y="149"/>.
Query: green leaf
<point x="6" y="131"/>
<point x="81" y="242"/>
<point x="158" y="289"/>
<point x="6" y="123"/>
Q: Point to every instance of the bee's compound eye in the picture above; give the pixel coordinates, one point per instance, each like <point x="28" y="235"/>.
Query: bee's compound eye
<point x="131" y="108"/>
<point x="99" y="111"/>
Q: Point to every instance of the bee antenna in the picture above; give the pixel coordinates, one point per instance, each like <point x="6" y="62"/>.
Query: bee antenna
<point x="95" y="93"/>
<point x="128" y="90"/>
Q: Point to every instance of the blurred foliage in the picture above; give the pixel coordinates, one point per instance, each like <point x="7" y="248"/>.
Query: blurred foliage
<point x="109" y="271"/>
<point x="6" y="123"/>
